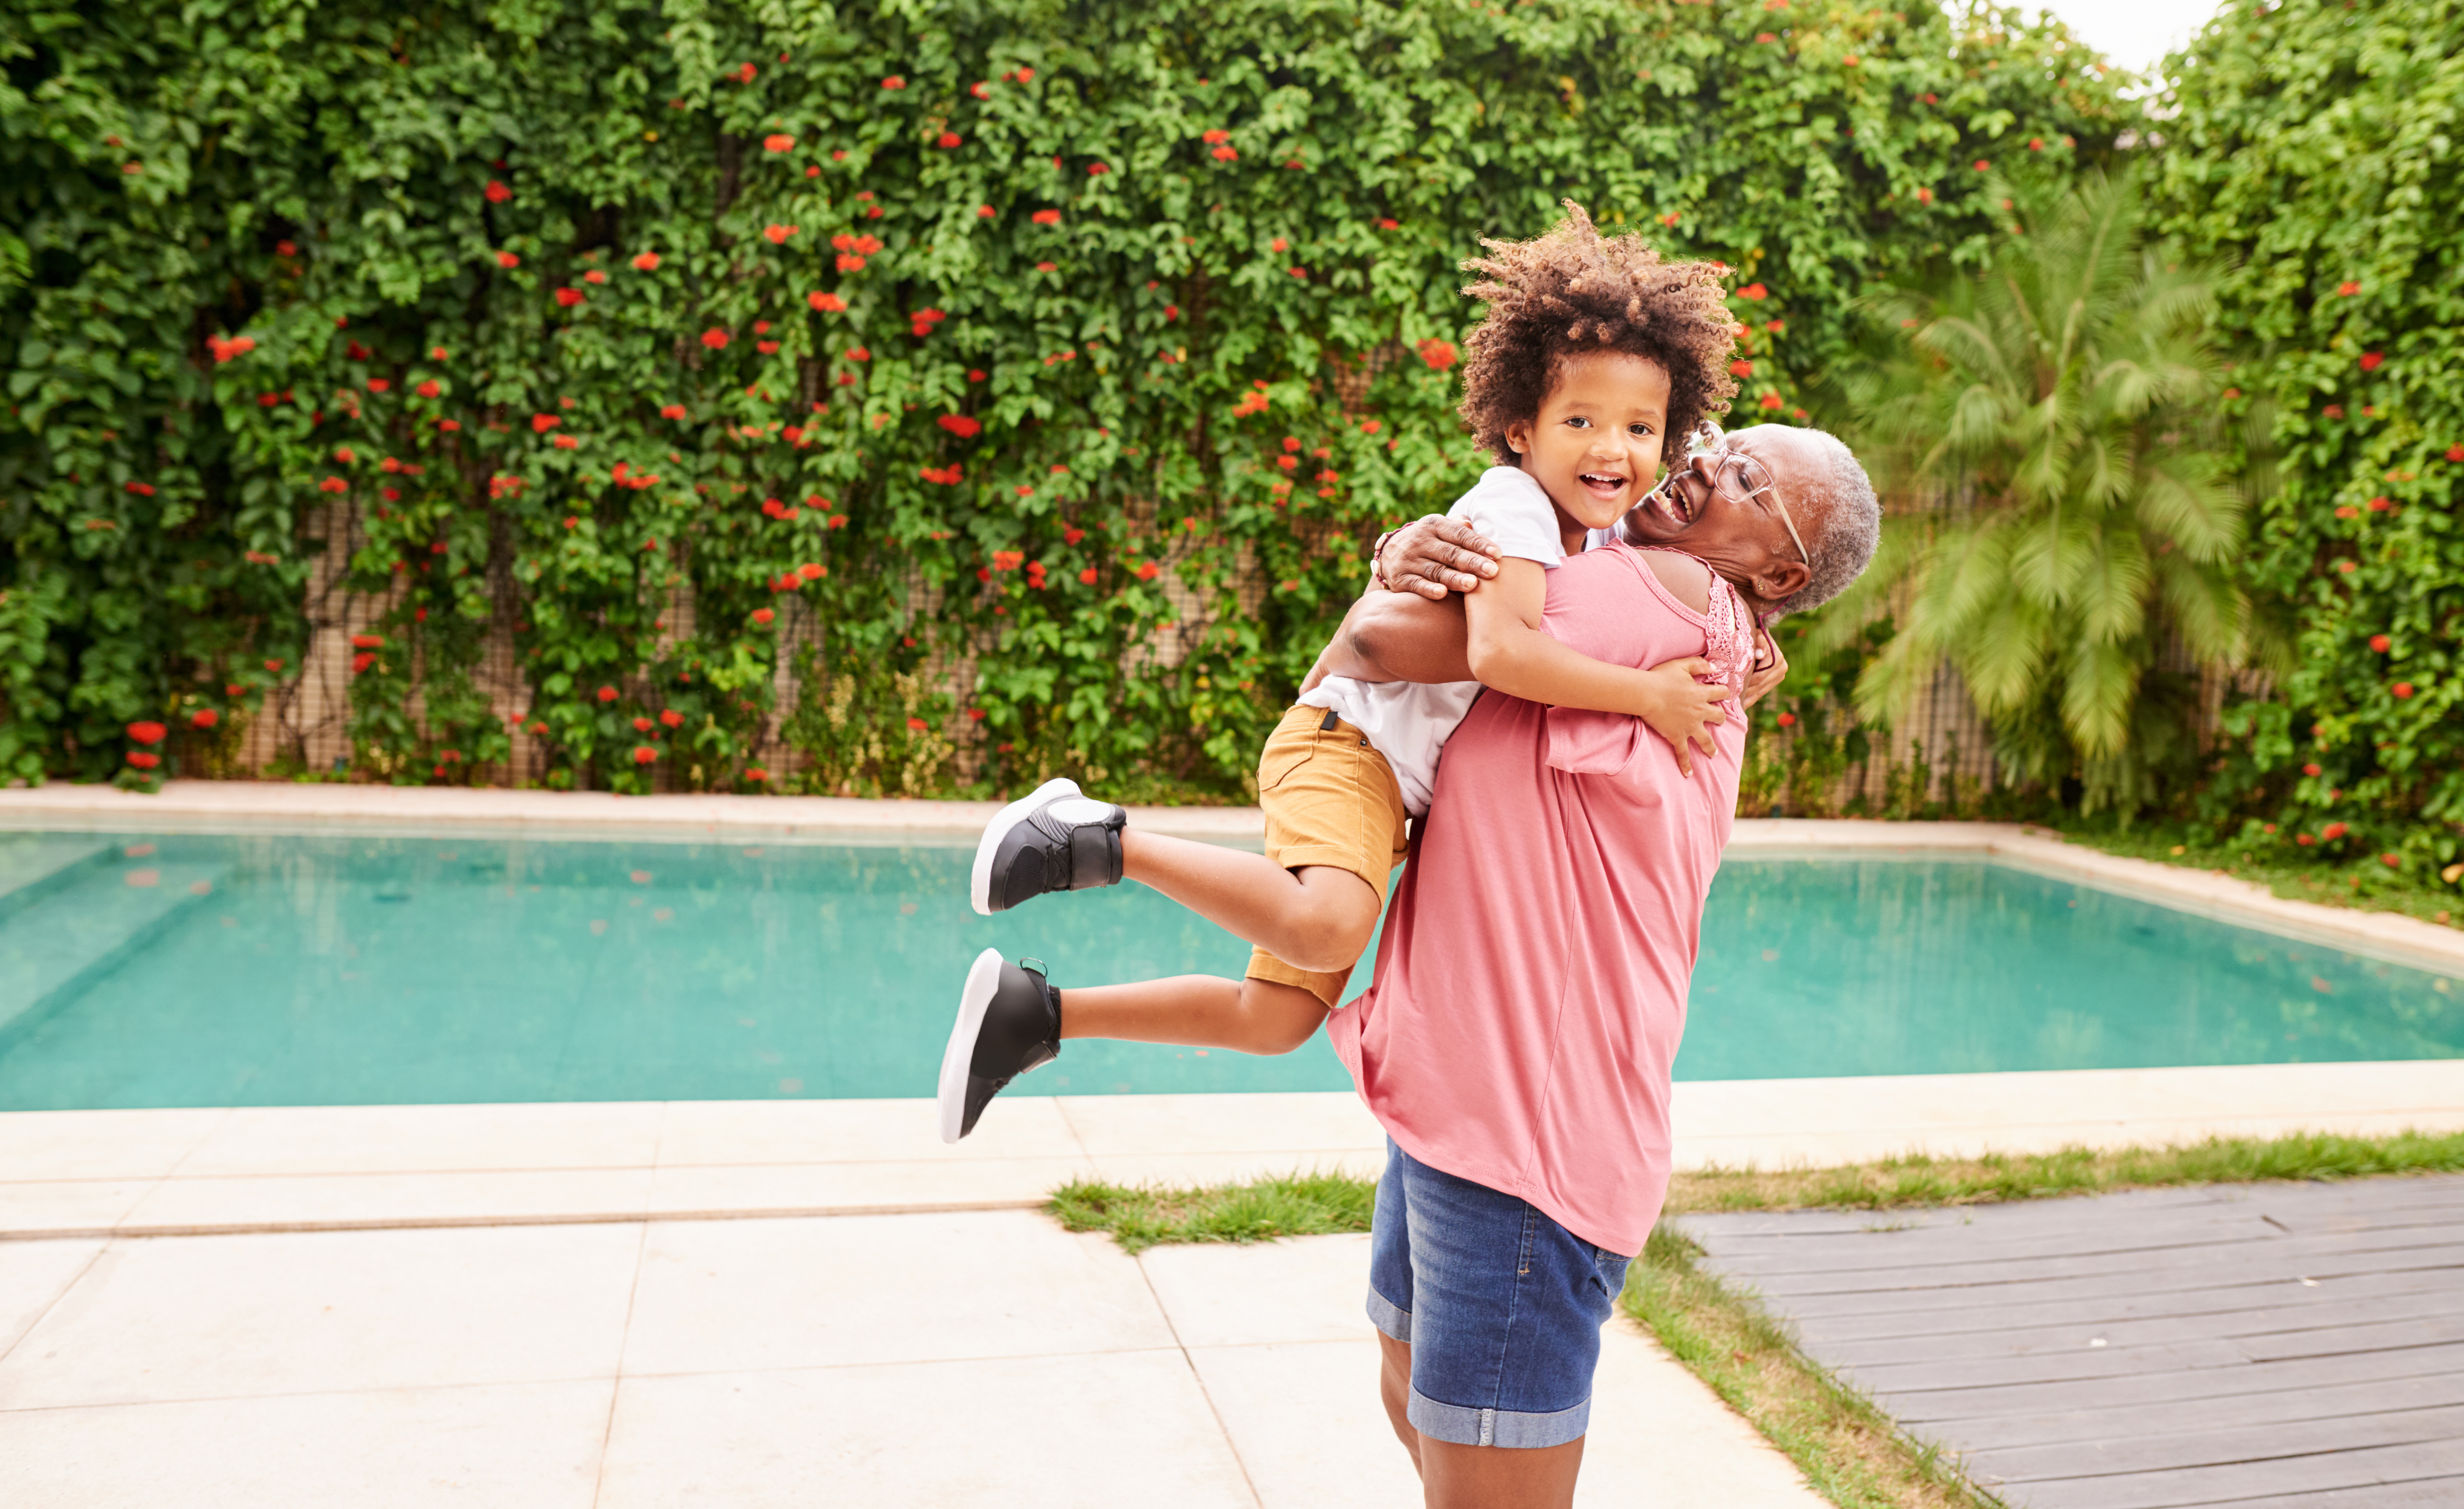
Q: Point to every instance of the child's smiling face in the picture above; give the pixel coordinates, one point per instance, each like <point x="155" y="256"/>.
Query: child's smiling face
<point x="1594" y="445"/>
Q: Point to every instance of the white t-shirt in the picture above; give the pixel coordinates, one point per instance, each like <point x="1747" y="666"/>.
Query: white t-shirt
<point x="1409" y="721"/>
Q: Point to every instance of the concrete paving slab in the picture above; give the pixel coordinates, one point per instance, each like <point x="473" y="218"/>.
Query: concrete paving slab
<point x="1232" y="1168"/>
<point x="226" y="1316"/>
<point x="427" y="1139"/>
<point x="338" y="1201"/>
<point x="1308" y="1289"/>
<point x="1305" y="1417"/>
<point x="518" y="1446"/>
<point x="68" y="1207"/>
<point x="730" y="1296"/>
<point x="103" y="1145"/>
<point x="857" y="1131"/>
<point x="1659" y="1437"/>
<point x="32" y="1275"/>
<point x="861" y="1187"/>
<point x="1122" y="1429"/>
<point x="1285" y="1121"/>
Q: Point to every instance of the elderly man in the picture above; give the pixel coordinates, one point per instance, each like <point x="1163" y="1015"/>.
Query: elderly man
<point x="1532" y="981"/>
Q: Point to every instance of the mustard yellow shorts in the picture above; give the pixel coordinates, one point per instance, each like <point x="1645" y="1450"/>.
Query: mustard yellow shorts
<point x="1329" y="799"/>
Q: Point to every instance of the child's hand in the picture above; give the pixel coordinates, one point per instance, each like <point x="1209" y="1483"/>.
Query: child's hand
<point x="1680" y="709"/>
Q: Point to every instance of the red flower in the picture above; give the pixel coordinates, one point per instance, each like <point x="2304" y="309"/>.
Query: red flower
<point x="1047" y="217"/>
<point x="380" y="385"/>
<point x="671" y="411"/>
<point x="594" y="277"/>
<point x="606" y="693"/>
<point x="2305" y="840"/>
<point x="144" y="761"/>
<point x="1088" y="575"/>
<point x="1096" y="169"/>
<point x="811" y="572"/>
<point x="2402" y="689"/>
<point x="643" y="725"/>
<point x="2381" y="643"/>
<point x="1047" y="267"/>
<point x="1788" y="720"/>
<point x="1389" y="225"/>
<point x="2381" y="505"/>
<point x="1753" y="291"/>
<point x="496" y="192"/>
<point x="428" y="388"/>
<point x="848" y="262"/>
<point x="541" y="423"/>
<point x="1741" y="367"/>
<point x="1149" y="571"/>
<point x="2372" y="360"/>
<point x="273" y="668"/>
<point x="1983" y="166"/>
<point x="333" y="485"/>
<point x="894" y="82"/>
<point x="779" y="143"/>
<point x="777" y="235"/>
<point x="1279" y="244"/>
<point x="976" y="375"/>
<point x="2391" y="861"/>
<point x="2334" y="831"/>
<point x="1771" y="401"/>
<point x="825" y="303"/>
<point x="646" y="262"/>
<point x="1439" y="355"/>
<point x="960" y="426"/>
<point x="858" y="354"/>
<point x="2332" y="411"/>
<point x="2311" y="770"/>
<point x="1225" y="154"/>
<point x="947" y="138"/>
<point x="2455" y="453"/>
<point x="367" y="641"/>
<point x="361" y="661"/>
<point x="643" y="754"/>
<point x="508" y="260"/>
<point x="147" y="733"/>
<point x="672" y="718"/>
<point x="140" y="489"/>
<point x="204" y="718"/>
<point x="985" y="212"/>
<point x="715" y="340"/>
<point x="766" y="347"/>
<point x="756" y="773"/>
<point x="285" y="249"/>
<point x="918" y="725"/>
<point x="2035" y="144"/>
<point x="2348" y="289"/>
<point x="1765" y="36"/>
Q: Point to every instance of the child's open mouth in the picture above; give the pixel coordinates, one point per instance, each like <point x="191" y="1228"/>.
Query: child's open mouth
<point x="1604" y="485"/>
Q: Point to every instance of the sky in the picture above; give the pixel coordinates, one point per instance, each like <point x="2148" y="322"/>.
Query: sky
<point x="2135" y="33"/>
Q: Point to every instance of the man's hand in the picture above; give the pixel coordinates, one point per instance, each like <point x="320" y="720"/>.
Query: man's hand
<point x="1759" y="683"/>
<point x="1681" y="709"/>
<point x="1435" y="555"/>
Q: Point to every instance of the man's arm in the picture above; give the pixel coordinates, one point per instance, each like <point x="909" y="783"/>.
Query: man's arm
<point x="1396" y="636"/>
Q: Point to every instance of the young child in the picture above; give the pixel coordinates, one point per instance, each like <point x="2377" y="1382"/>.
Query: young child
<point x="1591" y="351"/>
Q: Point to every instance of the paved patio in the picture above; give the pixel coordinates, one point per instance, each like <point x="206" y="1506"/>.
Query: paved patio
<point x="950" y="1359"/>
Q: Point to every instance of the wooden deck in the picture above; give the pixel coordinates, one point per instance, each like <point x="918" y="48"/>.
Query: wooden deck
<point x="2263" y="1346"/>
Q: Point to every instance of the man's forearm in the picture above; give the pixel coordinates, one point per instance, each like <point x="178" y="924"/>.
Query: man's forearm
<point x="1396" y="636"/>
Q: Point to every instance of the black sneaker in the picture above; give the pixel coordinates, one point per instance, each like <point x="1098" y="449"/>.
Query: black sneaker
<point x="1009" y="1022"/>
<point x="1058" y="839"/>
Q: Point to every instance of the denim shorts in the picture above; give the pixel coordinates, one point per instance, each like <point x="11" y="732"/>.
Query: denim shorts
<point x="1502" y="1306"/>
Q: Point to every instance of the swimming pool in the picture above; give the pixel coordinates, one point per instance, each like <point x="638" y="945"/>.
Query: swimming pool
<point x="192" y="970"/>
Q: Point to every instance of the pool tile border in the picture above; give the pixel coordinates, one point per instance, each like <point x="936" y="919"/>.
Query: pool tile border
<point x="243" y="1171"/>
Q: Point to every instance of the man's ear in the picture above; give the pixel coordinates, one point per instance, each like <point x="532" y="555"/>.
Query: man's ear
<point x="1782" y="580"/>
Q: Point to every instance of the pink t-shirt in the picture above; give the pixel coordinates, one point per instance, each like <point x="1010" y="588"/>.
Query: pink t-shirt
<point x="1531" y="980"/>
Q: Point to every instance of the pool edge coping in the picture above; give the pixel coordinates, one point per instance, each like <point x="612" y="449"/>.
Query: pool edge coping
<point x="321" y="807"/>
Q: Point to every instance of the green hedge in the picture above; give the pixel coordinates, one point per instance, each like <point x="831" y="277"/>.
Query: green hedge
<point x="2312" y="148"/>
<point x="551" y="295"/>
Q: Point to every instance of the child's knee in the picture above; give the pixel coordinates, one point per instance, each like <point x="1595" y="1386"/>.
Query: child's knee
<point x="1331" y="925"/>
<point x="1281" y="1017"/>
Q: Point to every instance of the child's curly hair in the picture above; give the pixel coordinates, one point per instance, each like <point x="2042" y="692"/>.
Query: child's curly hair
<point x="1575" y="290"/>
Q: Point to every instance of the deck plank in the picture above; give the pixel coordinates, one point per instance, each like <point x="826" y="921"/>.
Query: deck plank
<point x="2278" y="1345"/>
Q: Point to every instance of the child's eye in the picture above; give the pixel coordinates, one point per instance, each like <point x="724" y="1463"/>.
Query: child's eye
<point x="1579" y="422"/>
<point x="1638" y="429"/>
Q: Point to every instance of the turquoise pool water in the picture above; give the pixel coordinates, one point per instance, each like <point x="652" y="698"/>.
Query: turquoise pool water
<point x="272" y="971"/>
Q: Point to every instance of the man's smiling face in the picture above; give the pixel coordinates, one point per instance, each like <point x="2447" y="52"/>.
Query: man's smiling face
<point x="1744" y="539"/>
<point x="1594" y="445"/>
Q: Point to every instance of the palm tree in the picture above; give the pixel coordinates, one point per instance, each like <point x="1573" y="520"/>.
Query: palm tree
<point x="2046" y="428"/>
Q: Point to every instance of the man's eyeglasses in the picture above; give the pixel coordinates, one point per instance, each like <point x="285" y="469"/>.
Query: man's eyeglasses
<point x="1743" y="479"/>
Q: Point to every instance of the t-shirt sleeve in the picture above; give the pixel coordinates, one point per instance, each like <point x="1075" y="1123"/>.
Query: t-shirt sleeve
<point x="1515" y="513"/>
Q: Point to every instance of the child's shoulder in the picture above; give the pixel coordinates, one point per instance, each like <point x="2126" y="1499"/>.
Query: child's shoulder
<point x="1502" y="490"/>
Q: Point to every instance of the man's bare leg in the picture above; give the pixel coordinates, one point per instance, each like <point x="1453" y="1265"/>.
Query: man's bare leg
<point x="1203" y="1011"/>
<point x="1455" y="1477"/>
<point x="1315" y="918"/>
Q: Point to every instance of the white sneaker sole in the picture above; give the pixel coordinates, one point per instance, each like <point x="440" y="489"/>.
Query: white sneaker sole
<point x="983" y="979"/>
<point x="979" y="881"/>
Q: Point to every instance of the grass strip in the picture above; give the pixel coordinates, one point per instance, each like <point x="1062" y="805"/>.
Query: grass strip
<point x="1143" y="1216"/>
<point x="1848" y="1449"/>
<point x="2419" y="891"/>
<point x="1918" y="1180"/>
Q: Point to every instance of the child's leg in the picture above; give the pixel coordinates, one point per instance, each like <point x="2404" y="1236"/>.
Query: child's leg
<point x="1318" y="917"/>
<point x="1251" y="1015"/>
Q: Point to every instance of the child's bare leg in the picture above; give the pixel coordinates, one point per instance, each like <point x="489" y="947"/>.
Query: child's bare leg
<point x="1315" y="918"/>
<point x="1203" y="1011"/>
